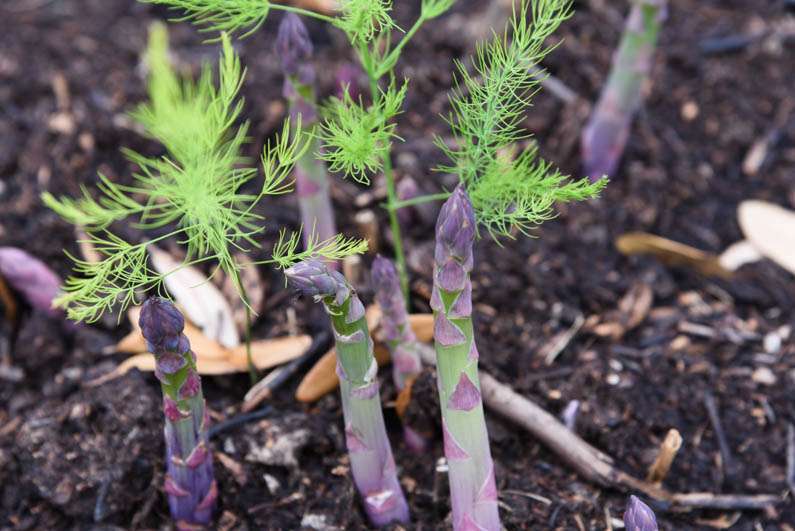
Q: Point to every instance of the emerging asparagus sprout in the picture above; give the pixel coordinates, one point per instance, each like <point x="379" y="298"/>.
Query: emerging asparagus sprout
<point x="311" y="177"/>
<point x="372" y="464"/>
<point x="607" y="131"/>
<point x="400" y="339"/>
<point x="190" y="484"/>
<point x="639" y="516"/>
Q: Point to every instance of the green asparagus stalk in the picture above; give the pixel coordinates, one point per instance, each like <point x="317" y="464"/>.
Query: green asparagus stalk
<point x="372" y="464"/>
<point x="473" y="492"/>
<point x="400" y="338"/>
<point x="312" y="182"/>
<point x="607" y="131"/>
<point x="190" y="486"/>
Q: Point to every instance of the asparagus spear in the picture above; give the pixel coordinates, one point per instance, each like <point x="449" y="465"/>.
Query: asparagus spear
<point x="372" y="464"/>
<point x="190" y="485"/>
<point x="607" y="131"/>
<point x="638" y="516"/>
<point x="473" y="491"/>
<point x="312" y="182"/>
<point x="400" y="338"/>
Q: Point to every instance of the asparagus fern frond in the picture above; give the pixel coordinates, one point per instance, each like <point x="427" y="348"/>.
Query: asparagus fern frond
<point x="488" y="106"/>
<point x="356" y="139"/>
<point x="197" y="188"/>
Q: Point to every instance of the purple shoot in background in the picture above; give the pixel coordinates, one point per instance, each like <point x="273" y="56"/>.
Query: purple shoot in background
<point x="606" y="134"/>
<point x="638" y="516"/>
<point x="473" y="492"/>
<point x="189" y="484"/>
<point x="372" y="464"/>
<point x="312" y="183"/>
<point x="32" y="278"/>
<point x="400" y="338"/>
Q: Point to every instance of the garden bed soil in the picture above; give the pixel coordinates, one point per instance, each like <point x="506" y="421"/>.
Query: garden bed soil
<point x="79" y="457"/>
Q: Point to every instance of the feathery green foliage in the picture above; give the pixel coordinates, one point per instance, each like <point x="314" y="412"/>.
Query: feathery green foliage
<point x="196" y="187"/>
<point x="356" y="139"/>
<point x="488" y="106"/>
<point x="286" y="254"/>
<point x="363" y="20"/>
<point x="222" y="15"/>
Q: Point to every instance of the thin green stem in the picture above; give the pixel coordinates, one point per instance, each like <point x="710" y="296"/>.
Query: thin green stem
<point x="422" y="199"/>
<point x="394" y="53"/>
<point x="252" y="369"/>
<point x="305" y="12"/>
<point x="391" y="199"/>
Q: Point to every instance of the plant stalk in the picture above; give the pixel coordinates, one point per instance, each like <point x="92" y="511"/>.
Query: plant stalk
<point x="190" y="484"/>
<point x="605" y="136"/>
<point x="372" y="464"/>
<point x="473" y="492"/>
<point x="391" y="198"/>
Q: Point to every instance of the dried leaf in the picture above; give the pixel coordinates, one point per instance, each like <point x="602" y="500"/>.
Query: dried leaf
<point x="252" y="283"/>
<point x="632" y="309"/>
<point x="738" y="254"/>
<point x="771" y="229"/>
<point x="199" y="299"/>
<point x="266" y="353"/>
<point x="32" y="278"/>
<point x="201" y="345"/>
<point x="671" y="253"/>
<point x="322" y="377"/>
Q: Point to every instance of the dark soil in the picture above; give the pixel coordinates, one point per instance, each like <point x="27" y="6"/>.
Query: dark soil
<point x="77" y="457"/>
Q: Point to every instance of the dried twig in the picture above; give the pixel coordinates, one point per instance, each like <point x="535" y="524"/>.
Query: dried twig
<point x="668" y="450"/>
<point x="263" y="389"/>
<point x="727" y="461"/>
<point x="591" y="463"/>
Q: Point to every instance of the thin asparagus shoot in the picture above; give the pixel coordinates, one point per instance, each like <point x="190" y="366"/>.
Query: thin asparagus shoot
<point x="400" y="338"/>
<point x="605" y="136"/>
<point x="372" y="464"/>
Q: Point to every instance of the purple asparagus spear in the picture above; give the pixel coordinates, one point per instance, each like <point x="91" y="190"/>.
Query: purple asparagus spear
<point x="400" y="338"/>
<point x="189" y="484"/>
<point x="638" y="516"/>
<point x="607" y="131"/>
<point x="372" y="464"/>
<point x="473" y="492"/>
<point x="312" y="184"/>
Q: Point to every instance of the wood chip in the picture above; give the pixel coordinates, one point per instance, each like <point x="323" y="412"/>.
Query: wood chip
<point x="671" y="253"/>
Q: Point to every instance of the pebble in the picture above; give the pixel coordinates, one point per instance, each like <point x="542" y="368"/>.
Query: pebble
<point x="772" y="343"/>
<point x="764" y="376"/>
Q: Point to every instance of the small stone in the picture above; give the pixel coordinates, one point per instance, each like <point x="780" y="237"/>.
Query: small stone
<point x="772" y="343"/>
<point x="273" y="484"/>
<point x="613" y="379"/>
<point x="764" y="376"/>
<point x="316" y="521"/>
<point x="689" y="111"/>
